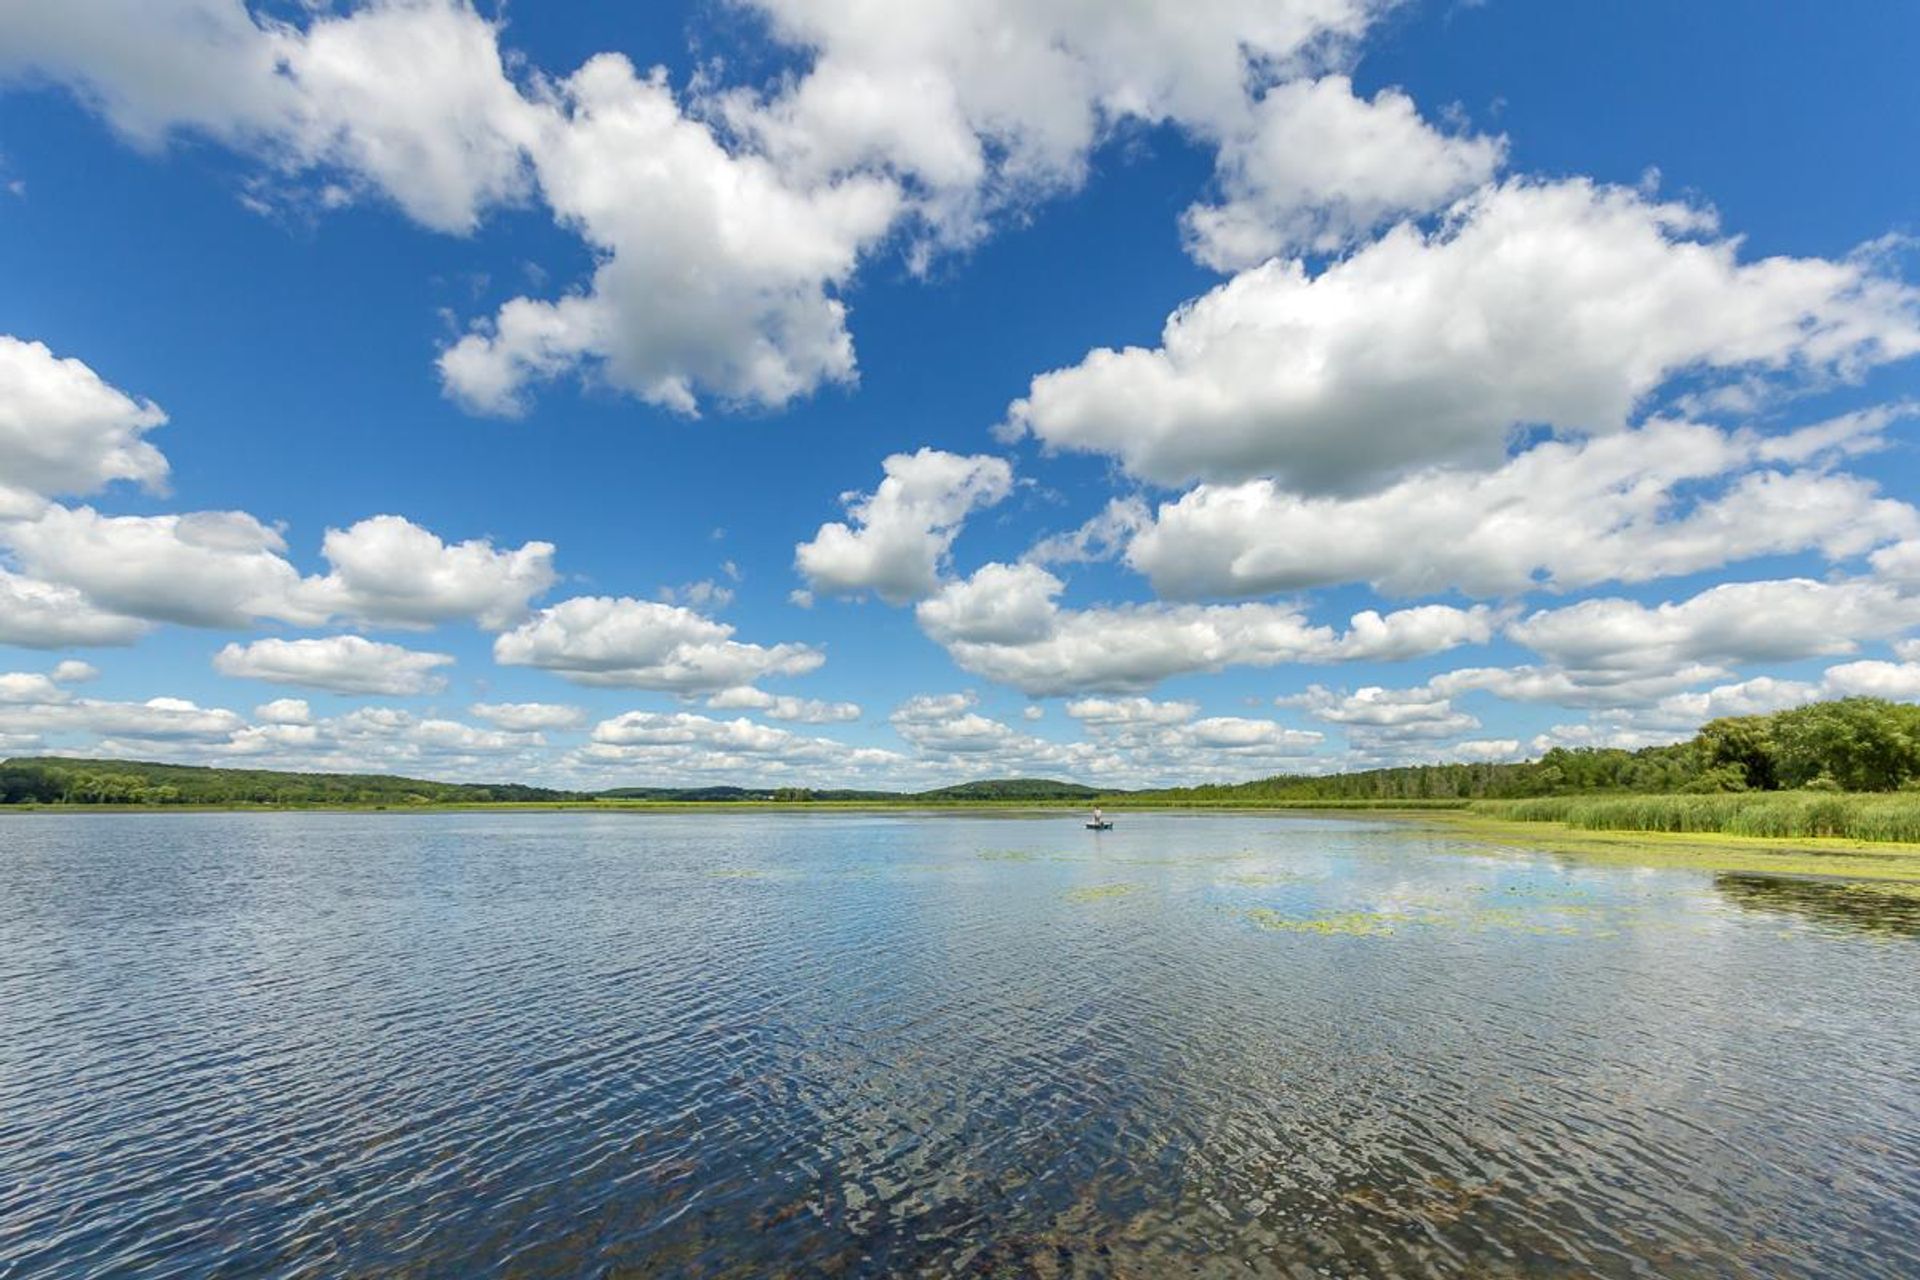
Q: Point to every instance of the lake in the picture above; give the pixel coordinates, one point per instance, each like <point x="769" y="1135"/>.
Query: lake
<point x="527" y="1044"/>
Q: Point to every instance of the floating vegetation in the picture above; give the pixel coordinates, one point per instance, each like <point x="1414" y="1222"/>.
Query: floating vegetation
<point x="1008" y="855"/>
<point x="1353" y="924"/>
<point x="1547" y="919"/>
<point x="1100" y="892"/>
<point x="1266" y="879"/>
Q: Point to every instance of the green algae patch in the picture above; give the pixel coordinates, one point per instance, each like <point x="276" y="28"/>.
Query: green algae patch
<point x="1543" y="920"/>
<point x="1100" y="892"/>
<point x="1008" y="855"/>
<point x="1350" y="924"/>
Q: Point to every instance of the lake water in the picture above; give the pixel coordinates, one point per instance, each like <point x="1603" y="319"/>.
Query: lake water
<point x="830" y="1044"/>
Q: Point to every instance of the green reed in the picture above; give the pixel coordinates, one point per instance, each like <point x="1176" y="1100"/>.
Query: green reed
<point x="1893" y="817"/>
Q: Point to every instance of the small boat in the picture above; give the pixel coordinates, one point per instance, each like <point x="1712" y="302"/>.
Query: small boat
<point x="1099" y="826"/>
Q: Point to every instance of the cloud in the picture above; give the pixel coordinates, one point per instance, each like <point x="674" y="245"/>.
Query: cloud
<point x="1125" y="713"/>
<point x="722" y="248"/>
<point x="716" y="276"/>
<point x="1630" y="507"/>
<point x="684" y="746"/>
<point x="206" y="568"/>
<point x="640" y="644"/>
<point x="65" y="431"/>
<point x="384" y="739"/>
<point x="412" y="99"/>
<point x="1485" y="751"/>
<point x="1582" y="687"/>
<point x="784" y="707"/>
<point x="1314" y="166"/>
<point x="525" y="717"/>
<point x="946" y="724"/>
<point x="228" y="569"/>
<point x="46" y="615"/>
<point x="1679" y="716"/>
<point x="1736" y="622"/>
<point x="1004" y="624"/>
<point x="1258" y="737"/>
<point x="903" y="530"/>
<point x="1375" y="715"/>
<point x="342" y="664"/>
<point x="407" y="98"/>
<point x="704" y="594"/>
<point x="1130" y="739"/>
<point x="29" y="687"/>
<point x="36" y="713"/>
<point x="1418" y="350"/>
<point x="37" y="709"/>
<point x="1165" y="742"/>
<point x="389" y="571"/>
<point x="284" y="711"/>
<point x="980" y="106"/>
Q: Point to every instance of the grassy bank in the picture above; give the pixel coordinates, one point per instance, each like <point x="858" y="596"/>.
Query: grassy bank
<point x="1873" y="817"/>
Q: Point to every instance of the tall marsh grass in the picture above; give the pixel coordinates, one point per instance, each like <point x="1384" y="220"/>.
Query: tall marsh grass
<point x="1856" y="816"/>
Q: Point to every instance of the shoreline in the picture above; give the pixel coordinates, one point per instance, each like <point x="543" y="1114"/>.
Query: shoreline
<point x="1826" y="857"/>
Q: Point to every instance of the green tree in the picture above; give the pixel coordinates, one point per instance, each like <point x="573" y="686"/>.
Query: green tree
<point x="1863" y="744"/>
<point x="1745" y="742"/>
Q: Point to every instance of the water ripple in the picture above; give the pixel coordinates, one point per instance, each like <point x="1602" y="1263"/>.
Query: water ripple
<point x="528" y="1045"/>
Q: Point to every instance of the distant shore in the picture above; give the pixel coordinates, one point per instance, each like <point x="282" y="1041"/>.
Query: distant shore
<point x="1894" y="866"/>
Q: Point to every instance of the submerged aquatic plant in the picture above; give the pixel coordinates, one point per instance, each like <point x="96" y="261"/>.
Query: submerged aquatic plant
<point x="1100" y="892"/>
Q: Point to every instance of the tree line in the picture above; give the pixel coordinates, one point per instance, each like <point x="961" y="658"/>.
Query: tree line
<point x="1851" y="744"/>
<point x="97" y="782"/>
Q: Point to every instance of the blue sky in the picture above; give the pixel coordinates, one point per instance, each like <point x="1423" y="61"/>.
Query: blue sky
<point x="1424" y="381"/>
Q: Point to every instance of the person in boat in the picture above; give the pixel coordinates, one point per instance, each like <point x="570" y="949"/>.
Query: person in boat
<point x="1098" y="821"/>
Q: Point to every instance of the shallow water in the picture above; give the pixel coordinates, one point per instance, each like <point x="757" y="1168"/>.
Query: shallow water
<point x="711" y="1044"/>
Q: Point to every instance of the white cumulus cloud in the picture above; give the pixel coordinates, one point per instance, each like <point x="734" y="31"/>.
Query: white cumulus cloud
<point x="1004" y="623"/>
<point x="526" y="717"/>
<point x="63" y="430"/>
<point x="388" y="570"/>
<point x="1422" y="349"/>
<point x="643" y="644"/>
<point x="1314" y="166"/>
<point x="901" y="532"/>
<point x="342" y="664"/>
<point x="1669" y="498"/>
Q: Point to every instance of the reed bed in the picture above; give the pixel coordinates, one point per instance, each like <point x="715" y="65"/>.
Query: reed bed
<point x="1890" y="817"/>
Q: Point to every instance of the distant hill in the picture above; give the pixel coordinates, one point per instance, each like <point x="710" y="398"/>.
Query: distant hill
<point x="707" y="794"/>
<point x="986" y="789"/>
<point x="59" y="780"/>
<point x="1015" y="789"/>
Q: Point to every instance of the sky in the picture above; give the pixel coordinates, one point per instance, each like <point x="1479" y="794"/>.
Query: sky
<point x="830" y="393"/>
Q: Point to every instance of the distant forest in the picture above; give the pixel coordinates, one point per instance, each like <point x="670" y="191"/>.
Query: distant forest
<point x="58" y="780"/>
<point x="62" y="781"/>
<point x="1853" y="744"/>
